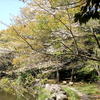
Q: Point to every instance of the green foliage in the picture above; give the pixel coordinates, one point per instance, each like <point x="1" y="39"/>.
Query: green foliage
<point x="87" y="74"/>
<point x="43" y="94"/>
<point x="6" y="61"/>
<point x="88" y="11"/>
<point x="12" y="87"/>
<point x="5" y="85"/>
<point x="25" y="78"/>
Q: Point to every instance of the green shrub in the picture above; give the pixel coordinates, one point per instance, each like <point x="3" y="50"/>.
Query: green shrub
<point x="25" y="78"/>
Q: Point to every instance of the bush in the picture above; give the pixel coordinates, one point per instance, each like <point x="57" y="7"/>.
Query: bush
<point x="25" y="78"/>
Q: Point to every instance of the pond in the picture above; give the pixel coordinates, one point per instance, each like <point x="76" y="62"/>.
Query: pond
<point x="6" y="96"/>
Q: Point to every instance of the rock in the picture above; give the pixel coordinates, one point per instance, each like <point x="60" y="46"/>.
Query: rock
<point x="48" y="87"/>
<point x="62" y="92"/>
<point x="54" y="96"/>
<point x="49" y="99"/>
<point x="52" y="87"/>
<point x="70" y="83"/>
<point x="59" y="93"/>
<point x="61" y="97"/>
<point x="64" y="82"/>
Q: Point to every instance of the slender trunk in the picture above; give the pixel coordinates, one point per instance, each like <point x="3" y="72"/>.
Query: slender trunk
<point x="57" y="76"/>
<point x="98" y="85"/>
<point x="94" y="34"/>
<point x="97" y="67"/>
<point x="72" y="74"/>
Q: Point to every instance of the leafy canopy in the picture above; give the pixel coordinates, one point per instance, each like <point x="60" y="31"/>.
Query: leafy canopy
<point x="91" y="9"/>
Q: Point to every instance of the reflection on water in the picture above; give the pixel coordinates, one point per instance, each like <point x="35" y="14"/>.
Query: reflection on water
<point x="7" y="96"/>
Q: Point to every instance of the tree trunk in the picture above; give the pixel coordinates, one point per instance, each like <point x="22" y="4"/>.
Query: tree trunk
<point x="98" y="84"/>
<point x="57" y="76"/>
<point x="97" y="67"/>
<point x="72" y="75"/>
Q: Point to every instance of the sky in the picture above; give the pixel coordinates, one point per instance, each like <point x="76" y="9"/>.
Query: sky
<point x="8" y="8"/>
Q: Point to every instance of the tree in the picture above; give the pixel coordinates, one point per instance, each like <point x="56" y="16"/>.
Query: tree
<point x="45" y="31"/>
<point x="45" y="37"/>
<point x="88" y="11"/>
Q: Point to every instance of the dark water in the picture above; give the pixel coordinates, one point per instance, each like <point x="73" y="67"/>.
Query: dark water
<point x="7" y="96"/>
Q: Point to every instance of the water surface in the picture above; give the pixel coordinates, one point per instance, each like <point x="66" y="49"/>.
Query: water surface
<point x="6" y="96"/>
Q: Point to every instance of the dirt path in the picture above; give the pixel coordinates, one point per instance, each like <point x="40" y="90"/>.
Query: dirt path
<point x="81" y="95"/>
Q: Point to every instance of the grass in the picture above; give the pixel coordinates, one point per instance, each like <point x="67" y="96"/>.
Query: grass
<point x="87" y="88"/>
<point x="90" y="89"/>
<point x="71" y="94"/>
<point x="43" y="94"/>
